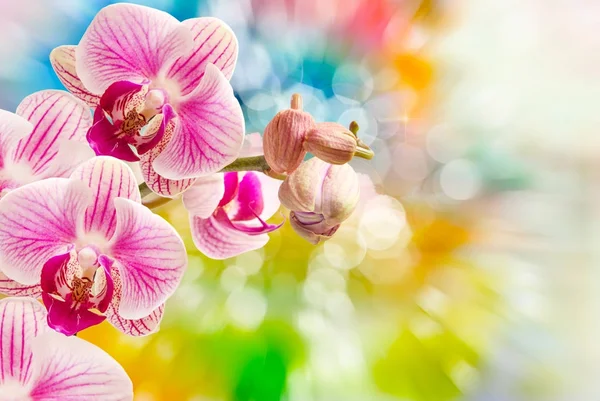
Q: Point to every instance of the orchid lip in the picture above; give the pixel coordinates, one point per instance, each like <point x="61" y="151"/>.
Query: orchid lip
<point x="77" y="289"/>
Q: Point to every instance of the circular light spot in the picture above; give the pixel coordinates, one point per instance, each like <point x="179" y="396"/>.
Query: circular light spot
<point x="410" y="163"/>
<point x="382" y="221"/>
<point x="352" y="83"/>
<point x="233" y="278"/>
<point x="247" y="307"/>
<point x="460" y="179"/>
<point x="443" y="145"/>
<point x="250" y="262"/>
<point x="345" y="249"/>
<point x="320" y="283"/>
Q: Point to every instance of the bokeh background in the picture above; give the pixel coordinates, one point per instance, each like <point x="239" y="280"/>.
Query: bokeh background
<point x="470" y="269"/>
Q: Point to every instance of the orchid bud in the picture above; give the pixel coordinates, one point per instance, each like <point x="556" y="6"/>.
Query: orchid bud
<point x="321" y="196"/>
<point x="331" y="142"/>
<point x="284" y="137"/>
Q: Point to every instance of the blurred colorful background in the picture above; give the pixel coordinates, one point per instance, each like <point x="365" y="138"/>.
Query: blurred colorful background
<point x="469" y="270"/>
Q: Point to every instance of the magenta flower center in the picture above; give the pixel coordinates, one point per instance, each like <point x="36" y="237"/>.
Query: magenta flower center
<point x="77" y="289"/>
<point x="130" y="120"/>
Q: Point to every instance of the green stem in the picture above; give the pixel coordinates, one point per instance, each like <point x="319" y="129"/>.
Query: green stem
<point x="254" y="163"/>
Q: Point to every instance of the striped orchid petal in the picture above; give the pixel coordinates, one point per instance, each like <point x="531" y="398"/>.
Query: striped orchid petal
<point x="209" y="133"/>
<point x="12" y="128"/>
<point x="136" y="327"/>
<point x="183" y="71"/>
<point x="71" y="369"/>
<point x="204" y="197"/>
<point x="38" y="364"/>
<point x="127" y="42"/>
<point x="150" y="256"/>
<point x="235" y="223"/>
<point x="13" y="288"/>
<point x="157" y="183"/>
<point x="219" y="241"/>
<point x="62" y="59"/>
<point x="214" y="43"/>
<point x="38" y="221"/>
<point x="56" y="116"/>
<point x="21" y="320"/>
<point x="97" y="251"/>
<point x="108" y="178"/>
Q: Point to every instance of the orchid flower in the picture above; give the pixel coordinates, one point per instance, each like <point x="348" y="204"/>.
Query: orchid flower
<point x="94" y="249"/>
<point x="228" y="210"/>
<point x="160" y="87"/>
<point x="38" y="364"/>
<point x="45" y="138"/>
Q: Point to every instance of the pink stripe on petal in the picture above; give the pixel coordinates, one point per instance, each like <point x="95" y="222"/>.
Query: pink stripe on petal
<point x="14" y="289"/>
<point x="38" y="221"/>
<point x="56" y="116"/>
<point x="127" y="42"/>
<point x="219" y="241"/>
<point x="70" y="155"/>
<point x="157" y="183"/>
<point x="136" y="327"/>
<point x="108" y="179"/>
<point x="151" y="259"/>
<point x="12" y="128"/>
<point x="209" y="131"/>
<point x="21" y="319"/>
<point x="62" y="59"/>
<point x="204" y="196"/>
<point x="214" y="43"/>
<point x="71" y="369"/>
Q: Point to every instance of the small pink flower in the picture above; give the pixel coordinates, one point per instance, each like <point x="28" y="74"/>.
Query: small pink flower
<point x="45" y="138"/>
<point x="320" y="196"/>
<point x="38" y="364"/>
<point x="161" y="87"/>
<point x="228" y="210"/>
<point x="96" y="251"/>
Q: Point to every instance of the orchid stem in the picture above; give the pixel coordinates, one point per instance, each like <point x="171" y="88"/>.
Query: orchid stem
<point x="255" y="163"/>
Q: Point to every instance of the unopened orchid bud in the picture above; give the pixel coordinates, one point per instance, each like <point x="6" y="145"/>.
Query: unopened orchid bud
<point x="320" y="196"/>
<point x="331" y="142"/>
<point x="312" y="226"/>
<point x="284" y="137"/>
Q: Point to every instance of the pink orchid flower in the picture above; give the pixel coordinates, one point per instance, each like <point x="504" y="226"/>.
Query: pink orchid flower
<point x="96" y="252"/>
<point x="162" y="88"/>
<point x="45" y="138"/>
<point x="39" y="364"/>
<point x="228" y="210"/>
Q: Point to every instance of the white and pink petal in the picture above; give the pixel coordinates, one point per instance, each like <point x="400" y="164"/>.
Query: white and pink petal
<point x="136" y="327"/>
<point x="14" y="289"/>
<point x="108" y="179"/>
<point x="209" y="131"/>
<point x="219" y="240"/>
<point x="204" y="196"/>
<point x="214" y="43"/>
<point x="21" y="319"/>
<point x="71" y="369"/>
<point x="12" y="129"/>
<point x="157" y="183"/>
<point x="128" y="42"/>
<point x="56" y="116"/>
<point x="38" y="221"/>
<point x="150" y="256"/>
<point x="63" y="62"/>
